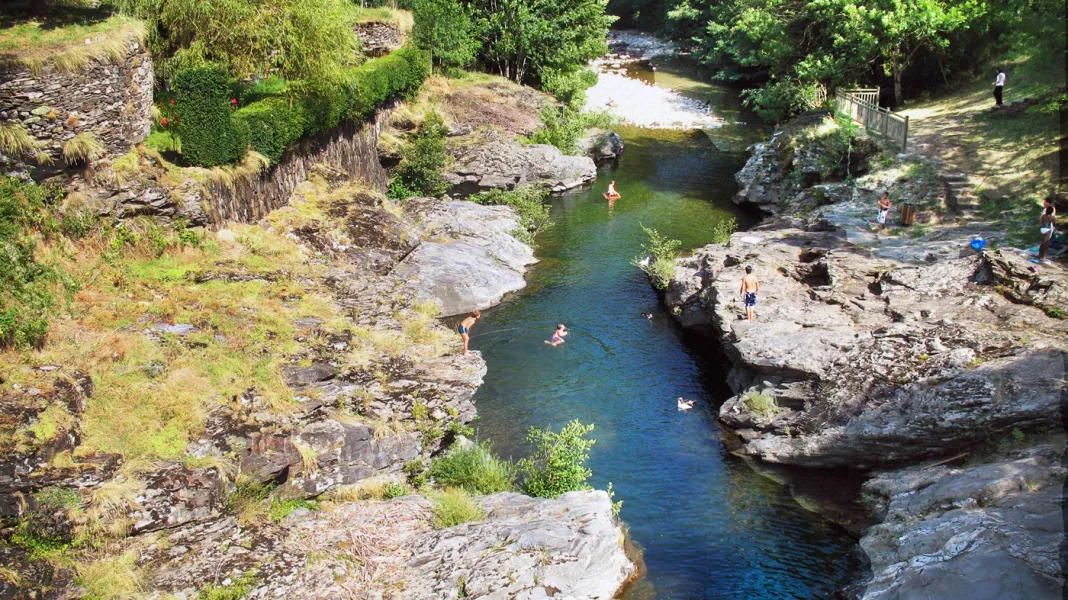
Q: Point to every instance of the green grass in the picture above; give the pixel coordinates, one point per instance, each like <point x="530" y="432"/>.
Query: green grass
<point x="474" y="469"/>
<point x="760" y="403"/>
<point x="401" y="19"/>
<point x="280" y="509"/>
<point x="240" y="588"/>
<point x="35" y="43"/>
<point x="453" y="506"/>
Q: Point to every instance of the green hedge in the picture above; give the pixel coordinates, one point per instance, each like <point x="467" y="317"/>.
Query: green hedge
<point x="209" y="136"/>
<point x="275" y="123"/>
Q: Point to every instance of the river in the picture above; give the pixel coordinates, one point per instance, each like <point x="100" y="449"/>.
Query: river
<point x="709" y="526"/>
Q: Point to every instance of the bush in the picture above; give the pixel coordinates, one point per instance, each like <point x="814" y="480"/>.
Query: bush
<point x="273" y="123"/>
<point x="209" y="135"/>
<point x="560" y="127"/>
<point x="453" y="506"/>
<point x="558" y="463"/>
<point x="776" y="101"/>
<point x="419" y="172"/>
<point x="722" y="230"/>
<point x="658" y="260"/>
<point x="569" y="87"/>
<point x="528" y="202"/>
<point x="474" y="469"/>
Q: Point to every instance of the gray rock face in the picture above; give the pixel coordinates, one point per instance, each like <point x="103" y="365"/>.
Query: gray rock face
<point x="488" y="160"/>
<point x="469" y="258"/>
<point x="523" y="548"/>
<point x="991" y="531"/>
<point x="602" y="146"/>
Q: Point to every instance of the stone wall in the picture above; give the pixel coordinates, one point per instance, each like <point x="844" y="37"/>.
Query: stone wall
<point x="379" y="39"/>
<point x="350" y="147"/>
<point x="113" y="102"/>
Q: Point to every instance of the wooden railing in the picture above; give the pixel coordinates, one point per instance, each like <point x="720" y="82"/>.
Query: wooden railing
<point x="862" y="105"/>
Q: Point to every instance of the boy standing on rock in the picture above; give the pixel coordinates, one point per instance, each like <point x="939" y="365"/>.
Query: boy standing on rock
<point x="750" y="287"/>
<point x="884" y="209"/>
<point x="465" y="328"/>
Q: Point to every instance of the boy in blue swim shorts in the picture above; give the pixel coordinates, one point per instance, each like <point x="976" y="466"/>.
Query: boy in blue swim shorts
<point x="750" y="287"/>
<point x="465" y="327"/>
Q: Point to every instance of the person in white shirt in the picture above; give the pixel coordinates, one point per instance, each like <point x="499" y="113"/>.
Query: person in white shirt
<point x="999" y="85"/>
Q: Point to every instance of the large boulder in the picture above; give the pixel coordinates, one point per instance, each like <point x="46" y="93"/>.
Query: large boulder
<point x="602" y="146"/>
<point x="986" y="532"/>
<point x="488" y="160"/>
<point x="469" y="258"/>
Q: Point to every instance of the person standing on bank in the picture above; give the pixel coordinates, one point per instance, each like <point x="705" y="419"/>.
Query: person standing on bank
<point x="750" y="287"/>
<point x="1045" y="227"/>
<point x="465" y="328"/>
<point x="884" y="209"/>
<point x="999" y="86"/>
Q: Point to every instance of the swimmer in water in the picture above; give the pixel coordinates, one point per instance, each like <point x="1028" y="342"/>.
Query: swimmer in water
<point x="558" y="336"/>
<point x="612" y="194"/>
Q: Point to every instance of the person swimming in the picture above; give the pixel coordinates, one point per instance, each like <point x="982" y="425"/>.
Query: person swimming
<point x="558" y="336"/>
<point x="612" y="194"/>
<point x="465" y="328"/>
<point x="647" y="315"/>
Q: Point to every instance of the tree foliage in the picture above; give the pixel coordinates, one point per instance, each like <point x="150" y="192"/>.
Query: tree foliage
<point x="789" y="45"/>
<point x="294" y="38"/>
<point x="448" y="30"/>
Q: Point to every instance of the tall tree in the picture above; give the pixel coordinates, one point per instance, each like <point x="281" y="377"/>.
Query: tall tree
<point x="448" y="30"/>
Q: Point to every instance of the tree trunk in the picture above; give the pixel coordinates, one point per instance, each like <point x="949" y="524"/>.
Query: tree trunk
<point x="899" y="98"/>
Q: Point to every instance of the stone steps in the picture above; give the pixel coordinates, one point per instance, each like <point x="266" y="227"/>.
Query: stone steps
<point x="960" y="192"/>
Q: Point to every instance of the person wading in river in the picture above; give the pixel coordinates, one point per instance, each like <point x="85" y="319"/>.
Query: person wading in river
<point x="750" y="287"/>
<point x="465" y="328"/>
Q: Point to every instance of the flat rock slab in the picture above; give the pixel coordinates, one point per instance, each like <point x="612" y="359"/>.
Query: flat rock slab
<point x="469" y="260"/>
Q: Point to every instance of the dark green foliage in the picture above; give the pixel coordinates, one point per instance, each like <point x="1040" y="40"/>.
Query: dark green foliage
<point x="562" y="126"/>
<point x="558" y="464"/>
<point x="307" y="109"/>
<point x="27" y="287"/>
<point x="209" y="135"/>
<point x="776" y="101"/>
<point x="419" y="172"/>
<point x="474" y="469"/>
<point x="528" y="202"/>
<point x="273" y="124"/>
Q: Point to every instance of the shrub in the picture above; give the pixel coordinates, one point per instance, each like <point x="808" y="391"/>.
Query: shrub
<point x="448" y="29"/>
<point x="208" y="133"/>
<point x="528" y="202"/>
<point x="15" y="141"/>
<point x="423" y="158"/>
<point x="560" y="127"/>
<point x="569" y="87"/>
<point x="658" y="259"/>
<point x="474" y="469"/>
<point x="558" y="463"/>
<point x="722" y="230"/>
<point x="776" y="101"/>
<point x="453" y="506"/>
<point x="273" y="124"/>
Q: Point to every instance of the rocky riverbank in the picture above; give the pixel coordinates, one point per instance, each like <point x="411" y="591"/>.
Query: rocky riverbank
<point x="880" y="349"/>
<point x="378" y="387"/>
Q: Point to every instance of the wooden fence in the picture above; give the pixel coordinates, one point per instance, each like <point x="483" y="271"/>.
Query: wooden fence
<point x="862" y="106"/>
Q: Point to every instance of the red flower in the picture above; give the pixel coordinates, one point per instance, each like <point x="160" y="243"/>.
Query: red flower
<point x="233" y="101"/>
<point x="163" y="121"/>
<point x="172" y="102"/>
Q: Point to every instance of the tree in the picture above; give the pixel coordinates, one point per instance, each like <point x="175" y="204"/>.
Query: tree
<point x="524" y="38"/>
<point x="298" y="39"/>
<point x="447" y="29"/>
<point x="906" y="26"/>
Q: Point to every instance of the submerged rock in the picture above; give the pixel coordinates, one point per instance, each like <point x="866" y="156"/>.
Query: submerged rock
<point x="602" y="146"/>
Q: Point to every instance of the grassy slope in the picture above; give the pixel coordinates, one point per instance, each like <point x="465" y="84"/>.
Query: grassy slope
<point x="1010" y="157"/>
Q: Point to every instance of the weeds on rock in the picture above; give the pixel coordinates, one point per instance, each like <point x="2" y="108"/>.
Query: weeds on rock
<point x="529" y="204"/>
<point x="760" y="403"/>
<point x="240" y="588"/>
<point x="658" y="258"/>
<point x="453" y="506"/>
<point x="474" y="469"/>
<point x="280" y="509"/>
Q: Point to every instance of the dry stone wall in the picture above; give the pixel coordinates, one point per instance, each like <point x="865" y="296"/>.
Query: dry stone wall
<point x="113" y="102"/>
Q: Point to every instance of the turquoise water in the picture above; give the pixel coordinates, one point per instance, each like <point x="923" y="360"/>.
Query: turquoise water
<point x="710" y="527"/>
